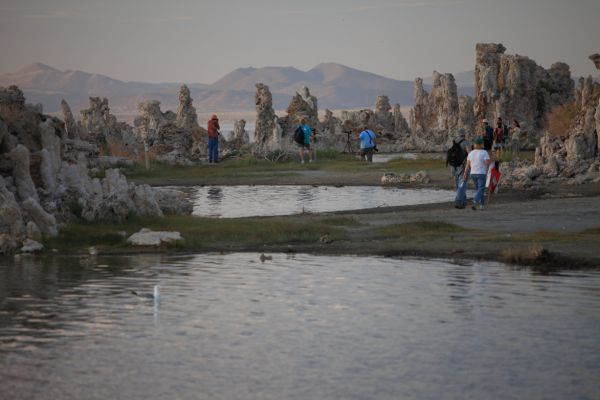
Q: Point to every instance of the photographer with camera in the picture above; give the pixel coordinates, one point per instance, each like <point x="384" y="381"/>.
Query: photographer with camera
<point x="367" y="144"/>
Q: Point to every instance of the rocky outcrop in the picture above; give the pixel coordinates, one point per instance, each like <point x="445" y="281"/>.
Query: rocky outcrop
<point x="302" y="105"/>
<point x="12" y="104"/>
<point x="400" y="124"/>
<point x="21" y="175"/>
<point x="172" y="138"/>
<point x="515" y="87"/>
<point x="265" y="117"/>
<point x="572" y="156"/>
<point x="466" y="116"/>
<point x="46" y="175"/>
<point x="436" y="116"/>
<point x="383" y="118"/>
<point x="96" y="121"/>
<point x="70" y="125"/>
<point x="12" y="227"/>
<point x="186" y="118"/>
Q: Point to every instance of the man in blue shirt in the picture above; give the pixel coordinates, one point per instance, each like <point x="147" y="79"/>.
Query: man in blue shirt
<point x="367" y="144"/>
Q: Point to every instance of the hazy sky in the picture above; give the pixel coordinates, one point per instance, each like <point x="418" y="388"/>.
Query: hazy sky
<point x="201" y="40"/>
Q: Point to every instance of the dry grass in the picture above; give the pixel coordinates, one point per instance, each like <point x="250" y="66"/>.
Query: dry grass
<point x="542" y="260"/>
<point x="559" y="119"/>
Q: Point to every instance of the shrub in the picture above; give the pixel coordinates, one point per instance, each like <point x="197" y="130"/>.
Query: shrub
<point x="559" y="119"/>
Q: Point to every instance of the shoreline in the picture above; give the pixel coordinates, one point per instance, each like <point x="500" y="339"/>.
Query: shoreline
<point x="551" y="228"/>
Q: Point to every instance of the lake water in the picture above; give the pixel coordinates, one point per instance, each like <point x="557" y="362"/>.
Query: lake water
<point x="261" y="200"/>
<point x="295" y="327"/>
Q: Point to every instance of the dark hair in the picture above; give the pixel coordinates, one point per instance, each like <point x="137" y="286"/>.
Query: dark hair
<point x="516" y="123"/>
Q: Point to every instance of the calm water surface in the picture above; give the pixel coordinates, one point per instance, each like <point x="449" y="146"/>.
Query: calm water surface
<point x="295" y="327"/>
<point x="261" y="200"/>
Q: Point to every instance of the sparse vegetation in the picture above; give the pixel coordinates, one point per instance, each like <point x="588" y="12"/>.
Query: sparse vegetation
<point x="559" y="119"/>
<point x="199" y="233"/>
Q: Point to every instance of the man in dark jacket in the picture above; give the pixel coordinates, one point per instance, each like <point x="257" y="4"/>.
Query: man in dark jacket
<point x="213" y="139"/>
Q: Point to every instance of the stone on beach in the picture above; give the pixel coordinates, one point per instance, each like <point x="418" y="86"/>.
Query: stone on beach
<point x="147" y="237"/>
<point x="31" y="246"/>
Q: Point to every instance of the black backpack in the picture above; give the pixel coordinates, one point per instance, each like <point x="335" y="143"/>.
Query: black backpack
<point x="299" y="135"/>
<point x="456" y="155"/>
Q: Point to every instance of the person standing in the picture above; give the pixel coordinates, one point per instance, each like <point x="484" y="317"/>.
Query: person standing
<point x="488" y="136"/>
<point x="478" y="161"/>
<point x="367" y="144"/>
<point x="213" y="139"/>
<point x="305" y="147"/>
<point x="499" y="138"/>
<point x="515" y="142"/>
<point x="457" y="159"/>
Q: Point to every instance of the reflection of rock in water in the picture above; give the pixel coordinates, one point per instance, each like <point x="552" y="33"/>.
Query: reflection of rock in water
<point x="306" y="194"/>
<point x="214" y="195"/>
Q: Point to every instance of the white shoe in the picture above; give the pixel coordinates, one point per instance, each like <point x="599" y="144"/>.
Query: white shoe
<point x="309" y="161"/>
<point x="302" y="162"/>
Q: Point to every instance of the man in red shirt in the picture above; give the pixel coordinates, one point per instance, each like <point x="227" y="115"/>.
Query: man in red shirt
<point x="213" y="139"/>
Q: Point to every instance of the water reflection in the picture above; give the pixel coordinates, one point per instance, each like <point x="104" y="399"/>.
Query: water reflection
<point x="262" y="200"/>
<point x="214" y="196"/>
<point x="306" y="326"/>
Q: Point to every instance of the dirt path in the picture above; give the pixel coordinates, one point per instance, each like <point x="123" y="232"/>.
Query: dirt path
<point x="542" y="215"/>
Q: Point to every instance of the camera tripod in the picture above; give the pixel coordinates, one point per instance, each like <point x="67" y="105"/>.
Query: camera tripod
<point x="348" y="148"/>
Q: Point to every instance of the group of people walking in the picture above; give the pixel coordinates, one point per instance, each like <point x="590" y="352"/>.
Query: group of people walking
<point x="466" y="159"/>
<point x="474" y="160"/>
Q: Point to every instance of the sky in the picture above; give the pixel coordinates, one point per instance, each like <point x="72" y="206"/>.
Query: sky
<point x="199" y="41"/>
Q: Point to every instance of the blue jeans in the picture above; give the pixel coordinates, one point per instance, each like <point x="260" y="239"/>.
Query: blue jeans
<point x="461" y="187"/>
<point x="213" y="150"/>
<point x="479" y="181"/>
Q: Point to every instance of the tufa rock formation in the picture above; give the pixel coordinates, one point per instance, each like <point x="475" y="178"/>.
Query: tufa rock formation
<point x="573" y="156"/>
<point x="172" y="138"/>
<point x="47" y="176"/>
<point x="515" y="87"/>
<point x="436" y="116"/>
<point x="265" y="117"/>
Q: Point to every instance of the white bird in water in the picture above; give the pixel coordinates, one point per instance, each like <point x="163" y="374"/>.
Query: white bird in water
<point x="150" y="296"/>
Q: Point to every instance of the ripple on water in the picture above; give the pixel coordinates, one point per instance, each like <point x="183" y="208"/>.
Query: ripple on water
<point x="264" y="200"/>
<point x="296" y="326"/>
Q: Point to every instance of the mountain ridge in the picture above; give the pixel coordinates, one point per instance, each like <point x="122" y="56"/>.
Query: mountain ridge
<point x="336" y="86"/>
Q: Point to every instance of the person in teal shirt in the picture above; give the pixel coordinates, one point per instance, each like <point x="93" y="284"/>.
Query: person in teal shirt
<point x="305" y="147"/>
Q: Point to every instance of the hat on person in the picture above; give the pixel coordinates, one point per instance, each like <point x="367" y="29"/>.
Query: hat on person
<point x="460" y="133"/>
<point x="485" y="121"/>
<point x="478" y="140"/>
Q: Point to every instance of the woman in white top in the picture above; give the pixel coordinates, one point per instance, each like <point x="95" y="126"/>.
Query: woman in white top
<point x="478" y="161"/>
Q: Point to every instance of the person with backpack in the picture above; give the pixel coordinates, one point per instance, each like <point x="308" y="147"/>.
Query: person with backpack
<point x="213" y="139"/>
<point x="456" y="157"/>
<point x="302" y="139"/>
<point x="367" y="144"/>
<point x="487" y="135"/>
<point x="478" y="162"/>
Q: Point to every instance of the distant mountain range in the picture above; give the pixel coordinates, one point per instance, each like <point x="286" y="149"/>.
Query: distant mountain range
<point x="335" y="86"/>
